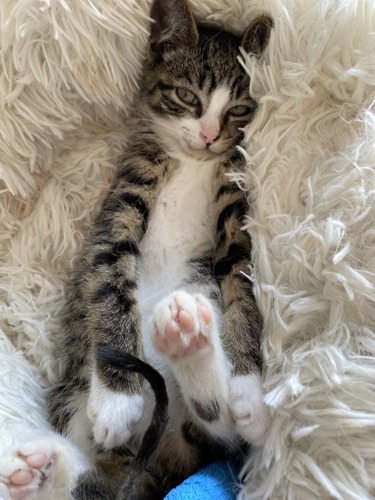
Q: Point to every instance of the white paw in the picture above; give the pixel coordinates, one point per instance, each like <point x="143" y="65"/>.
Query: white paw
<point x="113" y="414"/>
<point x="183" y="325"/>
<point x="249" y="413"/>
<point x="35" y="469"/>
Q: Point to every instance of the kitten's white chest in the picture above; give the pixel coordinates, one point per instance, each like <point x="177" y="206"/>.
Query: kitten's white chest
<point x="181" y="226"/>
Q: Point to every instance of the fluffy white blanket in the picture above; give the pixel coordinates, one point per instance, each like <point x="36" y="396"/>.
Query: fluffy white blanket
<point x="67" y="79"/>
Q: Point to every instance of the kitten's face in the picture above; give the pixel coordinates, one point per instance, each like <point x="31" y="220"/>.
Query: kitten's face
<point x="198" y="97"/>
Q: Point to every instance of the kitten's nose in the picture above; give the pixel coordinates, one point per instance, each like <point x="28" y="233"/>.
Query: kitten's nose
<point x="209" y="134"/>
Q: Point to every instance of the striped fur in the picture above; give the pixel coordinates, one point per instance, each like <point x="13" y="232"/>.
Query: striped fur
<point x="136" y="267"/>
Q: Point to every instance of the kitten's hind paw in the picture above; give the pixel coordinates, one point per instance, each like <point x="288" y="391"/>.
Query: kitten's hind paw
<point x="183" y="325"/>
<point x="113" y="414"/>
<point x="248" y="411"/>
<point x="29" y="475"/>
<point x="41" y="469"/>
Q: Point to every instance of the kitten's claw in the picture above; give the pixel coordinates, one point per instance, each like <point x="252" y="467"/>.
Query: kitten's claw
<point x="182" y="325"/>
<point x="113" y="415"/>
<point x="249" y="412"/>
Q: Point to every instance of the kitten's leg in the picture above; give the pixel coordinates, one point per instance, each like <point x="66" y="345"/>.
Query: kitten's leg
<point x="247" y="408"/>
<point x="116" y="402"/>
<point x="43" y="468"/>
<point x="186" y="332"/>
<point x="80" y="404"/>
<point x="242" y="323"/>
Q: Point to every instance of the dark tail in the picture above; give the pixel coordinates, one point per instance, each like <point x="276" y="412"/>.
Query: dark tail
<point x="124" y="361"/>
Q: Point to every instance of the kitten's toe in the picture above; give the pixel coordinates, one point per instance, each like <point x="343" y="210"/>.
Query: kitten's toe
<point x="39" y="467"/>
<point x="249" y="412"/>
<point x="182" y="324"/>
<point x="113" y="414"/>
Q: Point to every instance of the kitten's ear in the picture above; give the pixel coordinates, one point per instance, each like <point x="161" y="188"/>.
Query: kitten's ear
<point x="257" y="35"/>
<point x="174" y="26"/>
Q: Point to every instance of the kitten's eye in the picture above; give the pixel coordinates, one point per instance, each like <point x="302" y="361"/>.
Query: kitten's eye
<point x="240" y="110"/>
<point x="187" y="96"/>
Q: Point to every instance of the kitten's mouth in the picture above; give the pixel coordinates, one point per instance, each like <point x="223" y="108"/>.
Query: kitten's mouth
<point x="204" y="152"/>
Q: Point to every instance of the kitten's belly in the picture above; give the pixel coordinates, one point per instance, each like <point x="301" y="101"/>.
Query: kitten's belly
<point x="181" y="228"/>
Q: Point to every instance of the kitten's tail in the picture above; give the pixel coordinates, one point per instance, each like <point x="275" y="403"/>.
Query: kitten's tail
<point x="124" y="361"/>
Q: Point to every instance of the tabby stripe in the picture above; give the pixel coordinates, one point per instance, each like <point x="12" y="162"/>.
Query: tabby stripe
<point x="212" y="83"/>
<point x="186" y="77"/>
<point x="202" y="79"/>
<point x="104" y="291"/>
<point x="163" y="111"/>
<point x="105" y="259"/>
<point x="135" y="201"/>
<point x="126" y="246"/>
<point x="238" y="91"/>
<point x="222" y="236"/>
<point x="164" y="86"/>
<point x="110" y="257"/>
<point x="132" y="177"/>
<point x="172" y="106"/>
<point x="183" y="77"/>
<point x="118" y="203"/>
<point x="226" y="119"/>
<point x="236" y="156"/>
<point x="236" y="253"/>
<point x="191" y="433"/>
<point x="209" y="412"/>
<point x="198" y="111"/>
<point x="246" y="283"/>
<point x="226" y="189"/>
<point x="161" y="86"/>
<point x="238" y="208"/>
<point x="109" y="289"/>
<point x="153" y="156"/>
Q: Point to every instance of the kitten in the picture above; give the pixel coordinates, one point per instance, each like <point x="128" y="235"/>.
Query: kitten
<point x="162" y="276"/>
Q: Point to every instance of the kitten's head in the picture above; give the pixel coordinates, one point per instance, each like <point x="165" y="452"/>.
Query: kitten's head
<point x="195" y="92"/>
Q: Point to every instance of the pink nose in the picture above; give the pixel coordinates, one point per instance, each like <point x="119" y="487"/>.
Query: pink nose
<point x="209" y="134"/>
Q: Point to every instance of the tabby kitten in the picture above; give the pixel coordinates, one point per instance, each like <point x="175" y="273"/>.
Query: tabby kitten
<point x="163" y="275"/>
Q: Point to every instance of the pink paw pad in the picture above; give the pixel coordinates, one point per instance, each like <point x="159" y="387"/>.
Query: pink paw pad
<point x="38" y="466"/>
<point x="182" y="325"/>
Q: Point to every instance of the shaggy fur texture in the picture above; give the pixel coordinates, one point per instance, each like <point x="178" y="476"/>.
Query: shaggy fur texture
<point x="68" y="78"/>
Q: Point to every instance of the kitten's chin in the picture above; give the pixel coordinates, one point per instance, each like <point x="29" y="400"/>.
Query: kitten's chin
<point x="201" y="154"/>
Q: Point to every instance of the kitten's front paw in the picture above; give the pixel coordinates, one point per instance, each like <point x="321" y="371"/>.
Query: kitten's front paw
<point x="113" y="414"/>
<point x="249" y="412"/>
<point x="183" y="325"/>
